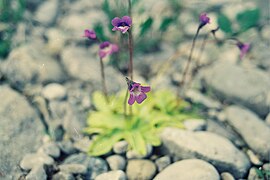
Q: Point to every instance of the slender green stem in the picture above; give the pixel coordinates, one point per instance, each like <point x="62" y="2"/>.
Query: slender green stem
<point x="125" y="104"/>
<point x="182" y="82"/>
<point x="103" y="80"/>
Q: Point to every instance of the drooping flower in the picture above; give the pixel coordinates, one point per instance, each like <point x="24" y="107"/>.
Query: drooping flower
<point x="121" y="24"/>
<point x="204" y="19"/>
<point x="90" y="34"/>
<point x="244" y="48"/>
<point x="137" y="92"/>
<point x="106" y="48"/>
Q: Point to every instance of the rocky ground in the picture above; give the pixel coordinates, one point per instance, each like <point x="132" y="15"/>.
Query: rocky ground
<point x="47" y="80"/>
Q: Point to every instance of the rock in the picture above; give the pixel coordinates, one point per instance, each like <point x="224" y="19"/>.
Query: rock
<point x="252" y="175"/>
<point x="29" y="161"/>
<point x="195" y="124"/>
<point x="239" y="85"/>
<point x="95" y="165"/>
<point x="253" y="158"/>
<point x="30" y="64"/>
<point x="120" y="147"/>
<point x="199" y="98"/>
<point x="226" y="176"/>
<point x="266" y="167"/>
<point x="51" y="149"/>
<point x="82" y="144"/>
<point x="73" y="168"/>
<point x="255" y="131"/>
<point x="42" y="14"/>
<point x="194" y="169"/>
<point x="63" y="176"/>
<point x="37" y="173"/>
<point x="225" y="131"/>
<point x="21" y="130"/>
<point x="112" y="175"/>
<point x="163" y="162"/>
<point x="82" y="65"/>
<point x="267" y="119"/>
<point x="56" y="40"/>
<point x="207" y="146"/>
<point x="116" y="162"/>
<point x="131" y="154"/>
<point x="54" y="91"/>
<point x="67" y="147"/>
<point x="140" y="169"/>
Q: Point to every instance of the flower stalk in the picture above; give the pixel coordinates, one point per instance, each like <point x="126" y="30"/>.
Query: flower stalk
<point x="104" y="87"/>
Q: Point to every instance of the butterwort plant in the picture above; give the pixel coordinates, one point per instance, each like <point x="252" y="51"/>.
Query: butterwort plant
<point x="105" y="49"/>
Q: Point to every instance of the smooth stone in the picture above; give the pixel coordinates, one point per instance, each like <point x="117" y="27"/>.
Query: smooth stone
<point x="194" y="169"/>
<point x="131" y="154"/>
<point x="266" y="167"/>
<point x="56" y="40"/>
<point x="207" y="146"/>
<point x="82" y="144"/>
<point x="226" y="176"/>
<point x="67" y="147"/>
<point x="194" y="124"/>
<point x="120" y="147"/>
<point x="252" y="175"/>
<point x="253" y="158"/>
<point x="37" y="173"/>
<point x="42" y="15"/>
<point x="63" y="176"/>
<point x="29" y="161"/>
<point x="267" y="119"/>
<point x="116" y="162"/>
<point x="95" y="165"/>
<point x="21" y="130"/>
<point x="54" y="91"/>
<point x="163" y="162"/>
<point x="255" y="131"/>
<point x="112" y="175"/>
<point x="73" y="168"/>
<point x="239" y="85"/>
<point x="31" y="64"/>
<point x="51" y="149"/>
<point x="140" y="169"/>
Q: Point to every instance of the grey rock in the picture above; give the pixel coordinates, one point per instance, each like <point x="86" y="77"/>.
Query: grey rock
<point x="63" y="176"/>
<point x="199" y="98"/>
<point x="194" y="169"/>
<point x="267" y="119"/>
<point x="17" y="118"/>
<point x="207" y="146"/>
<point x="112" y="175"/>
<point x="131" y="154"/>
<point x="226" y="176"/>
<point x="30" y="64"/>
<point x="37" y="173"/>
<point x="140" y="169"/>
<point x="67" y="147"/>
<point x="95" y="165"/>
<point x="116" y="162"/>
<point x="51" y="149"/>
<point x="73" y="168"/>
<point x="195" y="124"/>
<point x="86" y="68"/>
<point x="255" y="131"/>
<point x="266" y="167"/>
<point x="252" y="175"/>
<point x="239" y="85"/>
<point x="56" y="40"/>
<point x="42" y="14"/>
<point x="163" y="162"/>
<point x="225" y="131"/>
<point x="253" y="158"/>
<point x="29" y="161"/>
<point x="54" y="91"/>
<point x="82" y="144"/>
<point x="120" y="147"/>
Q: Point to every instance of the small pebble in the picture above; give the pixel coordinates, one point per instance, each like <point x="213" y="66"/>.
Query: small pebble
<point x="51" y="149"/>
<point x="163" y="162"/>
<point x="134" y="155"/>
<point x="37" y="173"/>
<point x="226" y="176"/>
<point x="73" y="168"/>
<point x="54" y="91"/>
<point x="112" y="175"/>
<point x="67" y="147"/>
<point x="120" y="147"/>
<point x="253" y="158"/>
<point x="195" y="124"/>
<point x="63" y="176"/>
<point x="116" y="162"/>
<point x="30" y="161"/>
<point x="83" y="144"/>
<point x="140" y="169"/>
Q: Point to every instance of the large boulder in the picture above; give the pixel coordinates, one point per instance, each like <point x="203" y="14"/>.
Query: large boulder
<point x="21" y="131"/>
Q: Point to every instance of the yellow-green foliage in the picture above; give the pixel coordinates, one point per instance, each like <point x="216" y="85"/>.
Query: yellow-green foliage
<point x="159" y="110"/>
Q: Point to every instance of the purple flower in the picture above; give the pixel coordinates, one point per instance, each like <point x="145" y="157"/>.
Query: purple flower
<point x="244" y="48"/>
<point x="106" y="48"/>
<point x="122" y="25"/>
<point x="90" y="34"/>
<point x="137" y="92"/>
<point x="204" y="19"/>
